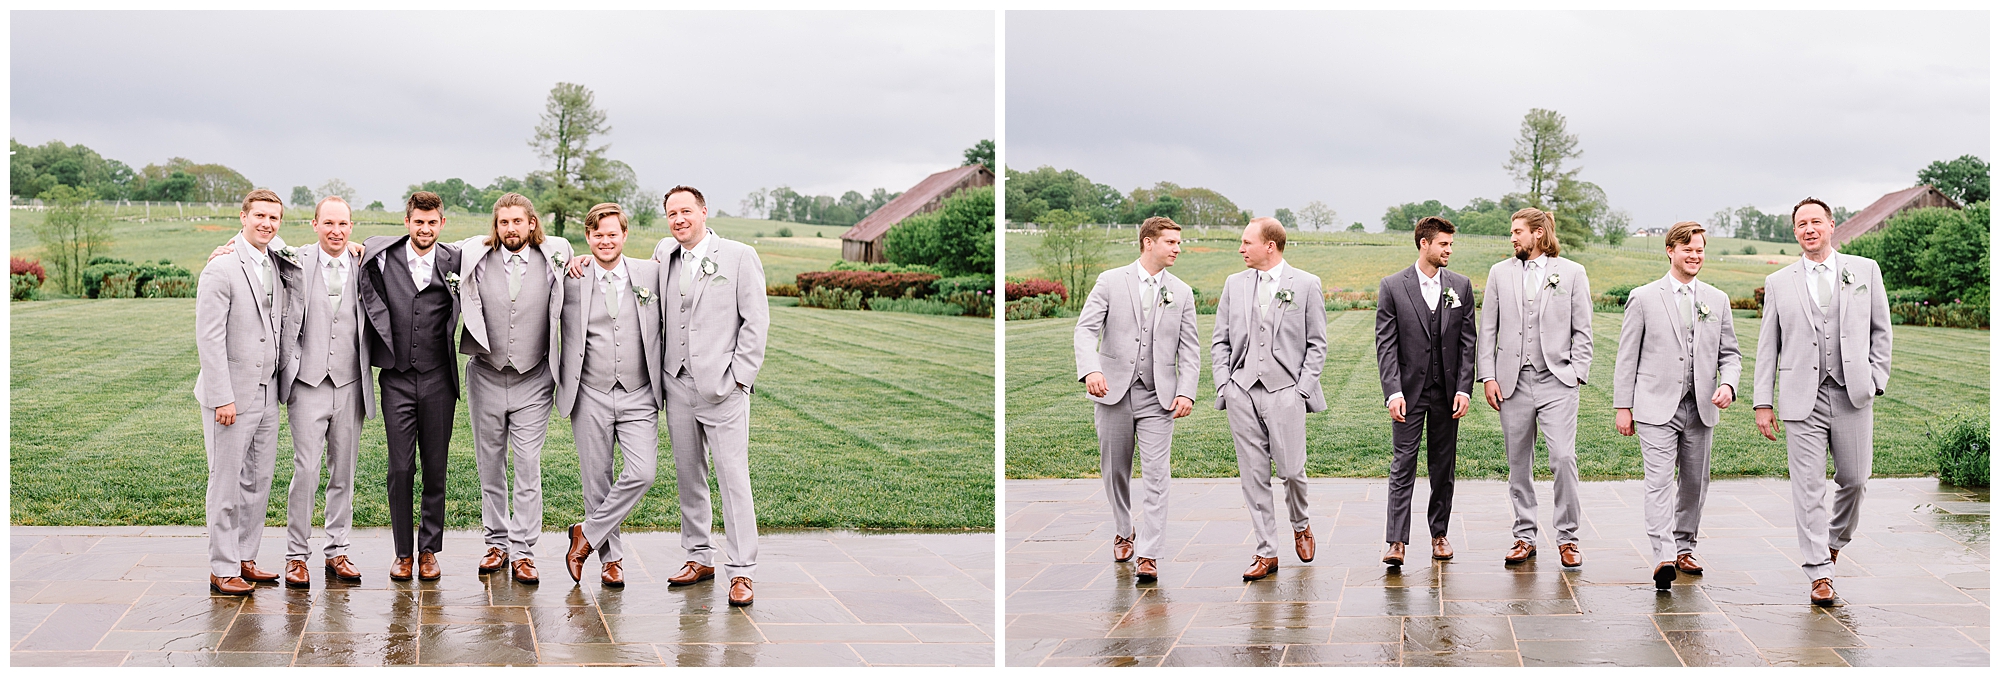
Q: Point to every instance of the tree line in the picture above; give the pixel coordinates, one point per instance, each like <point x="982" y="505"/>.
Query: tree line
<point x="784" y="204"/>
<point x="34" y="170"/>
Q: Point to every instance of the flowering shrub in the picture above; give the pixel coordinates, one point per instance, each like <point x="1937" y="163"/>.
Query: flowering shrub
<point x="1034" y="287"/>
<point x="892" y="285"/>
<point x="22" y="266"/>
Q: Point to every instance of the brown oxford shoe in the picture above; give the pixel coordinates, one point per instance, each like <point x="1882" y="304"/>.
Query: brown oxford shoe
<point x="400" y="571"/>
<point x="1148" y="570"/>
<point x="341" y="568"/>
<point x="1395" y="556"/>
<point x="427" y="566"/>
<point x="614" y="574"/>
<point x="255" y="575"/>
<point x="524" y="572"/>
<point x="495" y="560"/>
<point x="1302" y="541"/>
<point x="1685" y="562"/>
<point x="1522" y="552"/>
<point x="1440" y="548"/>
<point x="691" y="574"/>
<point x="579" y="550"/>
<point x="1822" y="592"/>
<point x="1260" y="567"/>
<point x="296" y="574"/>
<point x="1833" y="556"/>
<point x="1663" y="576"/>
<point x="1121" y="549"/>
<point x="1571" y="557"/>
<point x="739" y="592"/>
<point x="229" y="586"/>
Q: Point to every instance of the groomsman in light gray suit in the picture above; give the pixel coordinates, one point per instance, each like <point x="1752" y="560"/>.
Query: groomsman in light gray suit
<point x="238" y="313"/>
<point x="511" y="328"/>
<point x="1822" y="359"/>
<point x="1424" y="344"/>
<point x="609" y="387"/>
<point x="326" y="390"/>
<point x="1534" y="353"/>
<point x="1677" y="368"/>
<point x="1139" y="360"/>
<point x="1268" y="349"/>
<point x="716" y="322"/>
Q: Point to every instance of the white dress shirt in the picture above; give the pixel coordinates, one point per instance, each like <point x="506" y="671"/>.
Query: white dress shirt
<point x="691" y="258"/>
<point x="1267" y="286"/>
<point x="1534" y="271"/>
<point x="1431" y="286"/>
<point x="420" y="264"/>
<point x="1828" y="269"/>
<point x="334" y="272"/>
<point x="611" y="283"/>
<point x="1150" y="287"/>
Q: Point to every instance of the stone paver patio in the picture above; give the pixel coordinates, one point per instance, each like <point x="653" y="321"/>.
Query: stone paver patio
<point x="1913" y="587"/>
<point x="139" y="596"/>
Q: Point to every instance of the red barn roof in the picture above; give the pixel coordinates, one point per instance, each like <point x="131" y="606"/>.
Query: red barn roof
<point x="926" y="195"/>
<point x="1871" y="219"/>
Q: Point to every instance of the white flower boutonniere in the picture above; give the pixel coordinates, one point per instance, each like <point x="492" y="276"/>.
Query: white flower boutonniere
<point x="645" y="295"/>
<point x="556" y="262"/>
<point x="289" y="254"/>
<point x="1284" y="296"/>
<point x="452" y="279"/>
<point x="1555" y="281"/>
<point x="707" y="266"/>
<point x="1451" y="298"/>
<point x="1166" y="297"/>
<point x="1701" y="313"/>
<point x="1846" y="277"/>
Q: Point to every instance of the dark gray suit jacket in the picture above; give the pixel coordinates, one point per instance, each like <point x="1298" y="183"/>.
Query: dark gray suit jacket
<point x="1403" y="337"/>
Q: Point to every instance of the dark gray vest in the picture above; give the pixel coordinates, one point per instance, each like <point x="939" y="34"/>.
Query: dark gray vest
<point x="419" y="321"/>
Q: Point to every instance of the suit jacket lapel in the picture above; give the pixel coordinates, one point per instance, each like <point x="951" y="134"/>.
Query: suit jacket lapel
<point x="245" y="257"/>
<point x="1135" y="284"/>
<point x="1414" y="295"/>
<point x="701" y="281"/>
<point x="1805" y="289"/>
<point x="1672" y="304"/>
<point x="1166" y="279"/>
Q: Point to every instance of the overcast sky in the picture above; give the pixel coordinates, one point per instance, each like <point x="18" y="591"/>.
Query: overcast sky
<point x="1679" y="114"/>
<point x="728" y="102"/>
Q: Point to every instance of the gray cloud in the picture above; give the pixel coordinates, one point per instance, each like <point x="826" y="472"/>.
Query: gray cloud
<point x="822" y="101"/>
<point x="1679" y="113"/>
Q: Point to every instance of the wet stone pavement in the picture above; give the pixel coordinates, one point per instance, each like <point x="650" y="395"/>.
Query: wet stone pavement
<point x="1913" y="587"/>
<point x="139" y="596"/>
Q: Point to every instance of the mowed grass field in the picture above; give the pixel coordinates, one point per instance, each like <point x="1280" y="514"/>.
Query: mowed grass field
<point x="1935" y="372"/>
<point x="860" y="420"/>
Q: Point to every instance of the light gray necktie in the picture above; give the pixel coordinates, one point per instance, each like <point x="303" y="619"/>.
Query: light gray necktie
<point x="1687" y="314"/>
<point x="609" y="284"/>
<point x="516" y="266"/>
<point x="336" y="279"/>
<point x="1820" y="277"/>
<point x="264" y="275"/>
<point x="1533" y="279"/>
<point x="1265" y="293"/>
<point x="1152" y="297"/>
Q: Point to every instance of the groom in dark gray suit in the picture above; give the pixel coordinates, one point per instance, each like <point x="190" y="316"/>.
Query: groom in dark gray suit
<point x="1425" y="342"/>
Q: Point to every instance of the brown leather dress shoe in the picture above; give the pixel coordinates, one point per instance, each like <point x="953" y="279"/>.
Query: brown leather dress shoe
<point x="296" y="574"/>
<point x="579" y="550"/>
<point x="1395" y="556"/>
<point x="524" y="572"/>
<point x="739" y="592"/>
<point x="255" y="575"/>
<point x="614" y="574"/>
<point x="1833" y="556"/>
<point x="1440" y="548"/>
<point x="1148" y="570"/>
<point x="1571" y="557"/>
<point x="1302" y="541"/>
<point x="1685" y="562"/>
<point x="495" y="560"/>
<point x="1121" y="549"/>
<point x="1260" y="567"/>
<point x="341" y="568"/>
<point x="1522" y="552"/>
<point x="229" y="586"/>
<point x="1822" y="592"/>
<point x="427" y="566"/>
<point x="691" y="574"/>
<point x="1663" y="576"/>
<point x="400" y="571"/>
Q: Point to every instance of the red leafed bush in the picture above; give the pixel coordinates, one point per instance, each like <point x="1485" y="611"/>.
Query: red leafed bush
<point x="892" y="285"/>
<point x="1034" y="287"/>
<point x="24" y="266"/>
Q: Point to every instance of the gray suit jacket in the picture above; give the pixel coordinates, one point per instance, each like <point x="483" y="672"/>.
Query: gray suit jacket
<point x="301" y="282"/>
<point x="1300" y="345"/>
<point x="472" y="309"/>
<point x="1564" y="324"/>
<point x="1786" y="359"/>
<point x="731" y="317"/>
<point x="1651" y="374"/>
<point x="1112" y="314"/>
<point x="236" y="341"/>
<point x="1403" y="337"/>
<point x="373" y="267"/>
<point x="578" y="293"/>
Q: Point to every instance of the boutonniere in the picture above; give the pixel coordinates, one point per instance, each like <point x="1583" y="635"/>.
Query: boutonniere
<point x="1284" y="296"/>
<point x="556" y="262"/>
<point x="1166" y="296"/>
<point x="1701" y="313"/>
<point x="1846" y="277"/>
<point x="1451" y="298"/>
<point x="289" y="254"/>
<point x="707" y="266"/>
<point x="645" y="295"/>
<point x="1555" y="281"/>
<point x="452" y="279"/>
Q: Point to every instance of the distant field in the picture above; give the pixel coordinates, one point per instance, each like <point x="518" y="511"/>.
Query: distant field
<point x="1936" y="372"/>
<point x="1359" y="261"/>
<point x="860" y="420"/>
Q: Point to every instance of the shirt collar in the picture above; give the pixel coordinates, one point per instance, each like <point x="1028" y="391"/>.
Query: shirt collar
<point x="410" y="253"/>
<point x="700" y="248"/>
<point x="1155" y="278"/>
<point x="618" y="269"/>
<point x="243" y="245"/>
<point x="1831" y="262"/>
<point x="1674" y="285"/>
<point x="1542" y="258"/>
<point x="1427" y="279"/>
<point x="1277" y="272"/>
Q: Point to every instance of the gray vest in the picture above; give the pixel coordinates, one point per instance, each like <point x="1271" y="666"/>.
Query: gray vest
<point x="613" y="353"/>
<point x="517" y="330"/>
<point x="1829" y="339"/>
<point x="1143" y="375"/>
<point x="1259" y="363"/>
<point x="677" y="316"/>
<point x="329" y="341"/>
<point x="1532" y="342"/>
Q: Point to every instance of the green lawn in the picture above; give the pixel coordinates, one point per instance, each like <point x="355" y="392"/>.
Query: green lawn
<point x="860" y="420"/>
<point x="1049" y="432"/>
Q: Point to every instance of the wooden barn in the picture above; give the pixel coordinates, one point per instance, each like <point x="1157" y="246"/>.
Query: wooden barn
<point x="863" y="242"/>
<point x="1876" y="215"/>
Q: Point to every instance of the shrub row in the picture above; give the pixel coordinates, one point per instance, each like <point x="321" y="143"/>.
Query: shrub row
<point x="1961" y="315"/>
<point x="108" y="278"/>
<point x="833" y="298"/>
<point x="844" y="264"/>
<point x="869" y="283"/>
<point x="914" y="305"/>
<point x="1037" y="307"/>
<point x="791" y="290"/>
<point x="1030" y="288"/>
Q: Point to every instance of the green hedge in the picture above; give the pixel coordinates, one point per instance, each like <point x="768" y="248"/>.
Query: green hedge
<point x="914" y="305"/>
<point x="1964" y="452"/>
<point x="108" y="278"/>
<point x="1960" y="315"/>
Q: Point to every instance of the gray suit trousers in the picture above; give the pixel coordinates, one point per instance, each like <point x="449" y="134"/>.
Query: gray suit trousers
<point x="702" y="431"/>
<point x="509" y="411"/>
<point x="240" y="458"/>
<point x="1850" y="432"/>
<point x="326" y="430"/>
<point x="1138" y="420"/>
<point x="1541" y="403"/>
<point x="1270" y="430"/>
<point x="1673" y="505"/>
<point x="630" y="420"/>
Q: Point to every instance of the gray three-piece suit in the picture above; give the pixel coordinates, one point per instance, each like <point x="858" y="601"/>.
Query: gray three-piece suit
<point x="1267" y="351"/>
<point x="610" y="390"/>
<point x="1424" y="352"/>
<point x="238" y="314"/>
<point x="325" y="385"/>
<point x="1537" y="347"/>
